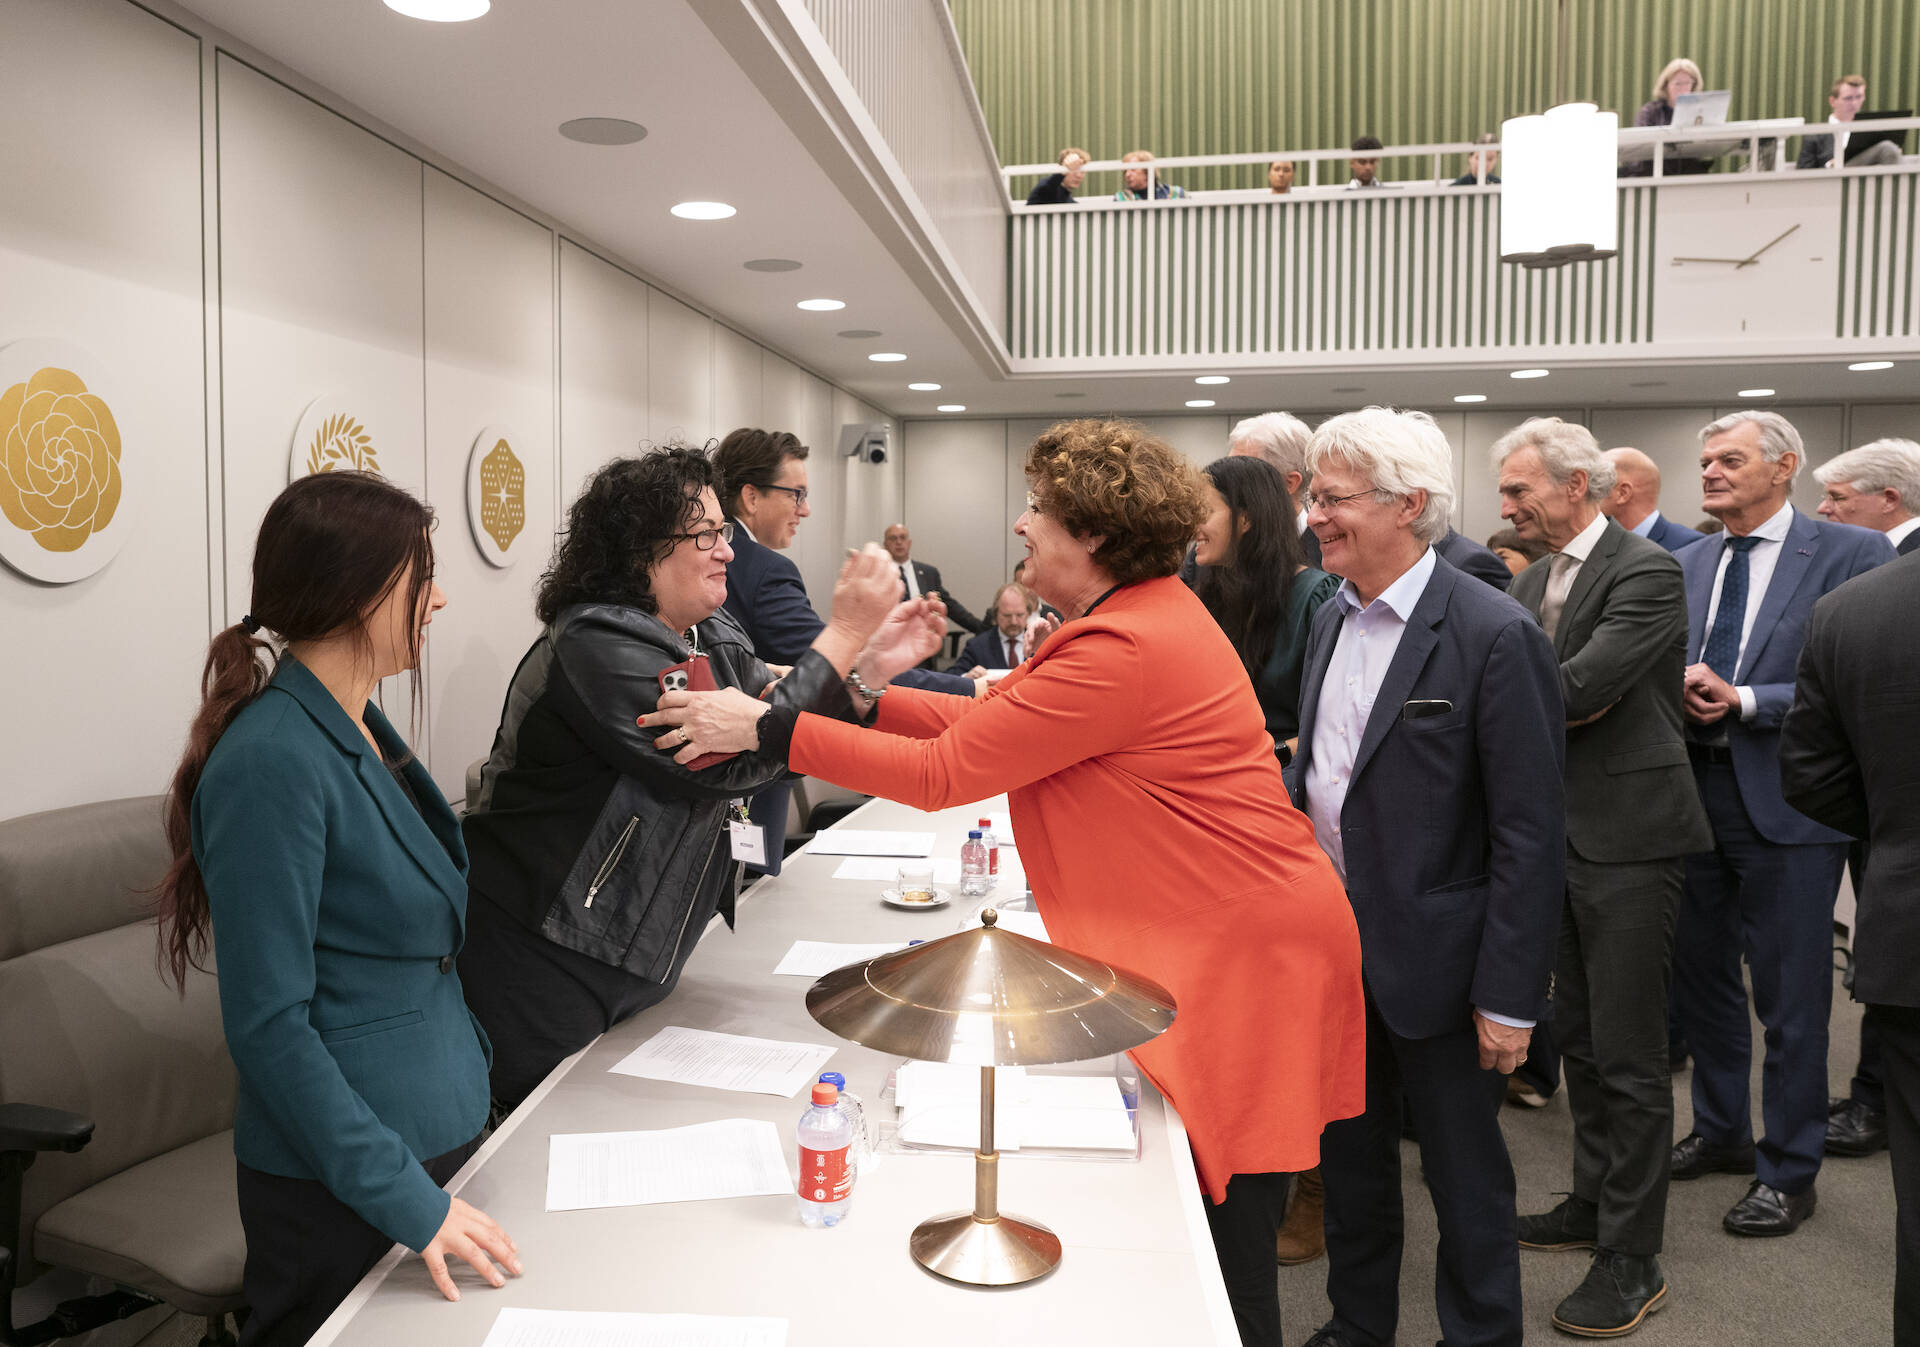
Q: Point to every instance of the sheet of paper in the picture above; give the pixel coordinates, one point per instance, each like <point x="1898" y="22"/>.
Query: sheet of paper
<point x="870" y="842"/>
<point x="886" y="869"/>
<point x="725" y="1061"/>
<point x="815" y="958"/>
<point x="1084" y="1113"/>
<point x="1023" y="923"/>
<point x="735" y="1157"/>
<point x="594" y="1328"/>
<point x="940" y="1106"/>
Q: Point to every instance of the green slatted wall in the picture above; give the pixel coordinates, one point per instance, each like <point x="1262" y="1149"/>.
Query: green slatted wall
<point x="1240" y="76"/>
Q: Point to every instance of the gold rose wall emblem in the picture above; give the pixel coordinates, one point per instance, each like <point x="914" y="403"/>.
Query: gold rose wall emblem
<point x="341" y="442"/>
<point x="503" y="495"/>
<point x="60" y="460"/>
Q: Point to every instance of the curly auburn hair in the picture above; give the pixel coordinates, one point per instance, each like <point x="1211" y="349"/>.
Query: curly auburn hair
<point x="1115" y="480"/>
<point x="621" y="526"/>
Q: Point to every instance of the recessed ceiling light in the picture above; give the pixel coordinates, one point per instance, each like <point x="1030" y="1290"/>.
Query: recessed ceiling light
<point x="1213" y="379"/>
<point x="771" y="264"/>
<point x="603" y="131"/>
<point x="1469" y="397"/>
<point x="861" y="333"/>
<point x="703" y="210"/>
<point x="924" y="388"/>
<point x="887" y="357"/>
<point x="1528" y="374"/>
<point x="1862" y="366"/>
<point x="821" y="305"/>
<point x="441" y="11"/>
<point x="1756" y="393"/>
<point x="1199" y="402"/>
<point x="951" y="407"/>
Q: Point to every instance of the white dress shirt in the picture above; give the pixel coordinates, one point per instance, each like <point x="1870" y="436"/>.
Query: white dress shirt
<point x="1645" y="527"/>
<point x="1760" y="563"/>
<point x="1841" y="134"/>
<point x="1898" y="533"/>
<point x="1577" y="550"/>
<point x="1301" y="519"/>
<point x="909" y="579"/>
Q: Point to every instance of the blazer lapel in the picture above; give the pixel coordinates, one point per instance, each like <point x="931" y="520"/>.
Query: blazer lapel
<point x="1796" y="555"/>
<point x="1700" y="590"/>
<point x="1409" y="658"/>
<point x="1599" y="561"/>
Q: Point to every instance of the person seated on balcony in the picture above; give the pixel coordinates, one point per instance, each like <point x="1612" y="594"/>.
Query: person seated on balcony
<point x="1365" y="164"/>
<point x="1057" y="189"/>
<point x="1846" y="98"/>
<point x="1678" y="76"/>
<point x="1280" y="177"/>
<point x="1480" y="162"/>
<point x="1135" y="180"/>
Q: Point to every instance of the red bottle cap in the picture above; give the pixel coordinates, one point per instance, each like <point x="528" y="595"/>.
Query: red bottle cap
<point x="826" y="1094"/>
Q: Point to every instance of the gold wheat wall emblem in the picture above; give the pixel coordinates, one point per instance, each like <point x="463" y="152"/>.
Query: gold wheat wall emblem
<point x="341" y="443"/>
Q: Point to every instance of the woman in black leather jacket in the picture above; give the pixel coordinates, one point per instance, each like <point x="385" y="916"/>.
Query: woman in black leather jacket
<point x="597" y="858"/>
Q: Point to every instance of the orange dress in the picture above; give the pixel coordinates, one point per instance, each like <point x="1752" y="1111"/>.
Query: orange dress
<point x="1157" y="835"/>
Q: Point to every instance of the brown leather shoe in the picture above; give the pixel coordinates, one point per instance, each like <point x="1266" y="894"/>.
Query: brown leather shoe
<point x="1303" y="1236"/>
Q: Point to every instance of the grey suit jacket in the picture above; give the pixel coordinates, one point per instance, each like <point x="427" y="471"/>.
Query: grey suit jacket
<point x="1622" y="646"/>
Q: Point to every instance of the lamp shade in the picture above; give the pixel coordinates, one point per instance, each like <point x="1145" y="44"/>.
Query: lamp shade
<point x="1558" y="195"/>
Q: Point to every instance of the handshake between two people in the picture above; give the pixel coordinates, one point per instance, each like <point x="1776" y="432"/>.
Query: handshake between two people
<point x="872" y="634"/>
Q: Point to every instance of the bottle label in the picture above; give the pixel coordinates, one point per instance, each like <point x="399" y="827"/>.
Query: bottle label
<point x="993" y="860"/>
<point x="825" y="1176"/>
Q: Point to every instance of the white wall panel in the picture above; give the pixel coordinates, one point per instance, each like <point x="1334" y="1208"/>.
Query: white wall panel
<point x="793" y="400"/>
<point x="489" y="345"/>
<point x="875" y="492"/>
<point x="1877" y="420"/>
<point x="1670" y="436"/>
<point x="100" y="245"/>
<point x="603" y="366"/>
<point x="680" y="372"/>
<point x="956" y="503"/>
<point x="735" y="380"/>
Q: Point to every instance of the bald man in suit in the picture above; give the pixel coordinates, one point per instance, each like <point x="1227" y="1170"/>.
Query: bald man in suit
<point x="1634" y="502"/>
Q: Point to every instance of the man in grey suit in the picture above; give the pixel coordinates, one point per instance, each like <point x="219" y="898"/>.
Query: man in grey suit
<point x="1615" y="609"/>
<point x="1635" y="501"/>
<point x="1847" y="760"/>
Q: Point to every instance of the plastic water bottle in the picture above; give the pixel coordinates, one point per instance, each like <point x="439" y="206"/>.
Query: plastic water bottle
<point x="856" y="1112"/>
<point x="993" y="852"/>
<point x="826" y="1159"/>
<point x="973" y="866"/>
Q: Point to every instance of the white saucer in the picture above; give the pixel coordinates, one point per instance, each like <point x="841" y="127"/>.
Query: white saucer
<point x="892" y="898"/>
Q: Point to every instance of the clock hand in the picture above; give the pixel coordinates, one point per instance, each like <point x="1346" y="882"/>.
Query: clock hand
<point x="1731" y="261"/>
<point x="1756" y="257"/>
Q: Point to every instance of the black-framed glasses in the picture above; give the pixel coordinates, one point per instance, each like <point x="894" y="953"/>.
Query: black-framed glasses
<point x="799" y="493"/>
<point x="706" y="539"/>
<point x="1326" y="504"/>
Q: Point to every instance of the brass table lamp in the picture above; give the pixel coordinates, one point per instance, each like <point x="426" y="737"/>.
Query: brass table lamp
<point x="989" y="997"/>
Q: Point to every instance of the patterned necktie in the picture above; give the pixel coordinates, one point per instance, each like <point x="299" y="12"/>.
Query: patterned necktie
<point x="1722" y="653"/>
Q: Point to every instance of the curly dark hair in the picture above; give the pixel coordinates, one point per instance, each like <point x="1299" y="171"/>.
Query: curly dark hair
<point x="749" y="457"/>
<point x="622" y="525"/>
<point x="1116" y="480"/>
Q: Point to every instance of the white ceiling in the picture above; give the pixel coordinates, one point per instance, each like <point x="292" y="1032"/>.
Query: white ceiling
<point x="489" y="96"/>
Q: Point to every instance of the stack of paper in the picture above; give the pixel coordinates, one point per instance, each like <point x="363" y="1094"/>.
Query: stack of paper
<point x="591" y="1328"/>
<point x="816" y="958"/>
<point x="736" y="1157"/>
<point x="725" y="1061"/>
<point x="940" y="1106"/>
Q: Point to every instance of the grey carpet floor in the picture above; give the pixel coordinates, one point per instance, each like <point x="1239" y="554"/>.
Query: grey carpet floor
<point x="1830" y="1282"/>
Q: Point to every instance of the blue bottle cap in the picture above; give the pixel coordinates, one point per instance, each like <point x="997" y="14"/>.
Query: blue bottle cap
<point x="835" y="1079"/>
<point x="973" y="834"/>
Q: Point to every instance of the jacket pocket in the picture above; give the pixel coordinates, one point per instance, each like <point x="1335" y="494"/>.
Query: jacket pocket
<point x="1640" y="759"/>
<point x="612" y="862"/>
<point x="371" y="1027"/>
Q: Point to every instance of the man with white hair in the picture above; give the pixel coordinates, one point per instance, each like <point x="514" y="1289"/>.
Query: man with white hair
<point x="1615" y="609"/>
<point x="1876" y="486"/>
<point x="1431" y="737"/>
<point x="1767" y="887"/>
<point x="1281" y="439"/>
<point x="1635" y="501"/>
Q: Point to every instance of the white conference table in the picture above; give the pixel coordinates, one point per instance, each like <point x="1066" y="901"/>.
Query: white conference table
<point x="1138" y="1266"/>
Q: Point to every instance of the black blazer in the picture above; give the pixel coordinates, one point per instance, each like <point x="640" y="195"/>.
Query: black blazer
<point x="1454" y="825"/>
<point x="1847" y="760"/>
<point x="1464" y="554"/>
<point x="928" y="578"/>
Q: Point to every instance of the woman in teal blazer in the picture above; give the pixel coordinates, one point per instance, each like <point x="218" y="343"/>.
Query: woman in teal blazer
<point x="332" y="874"/>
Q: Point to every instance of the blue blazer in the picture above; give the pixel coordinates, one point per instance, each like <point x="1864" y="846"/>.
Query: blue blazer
<point x="1673" y="536"/>
<point x="767" y="597"/>
<point x="1464" y="554"/>
<point x="337" y="910"/>
<point x="1816" y="558"/>
<point x="985" y="648"/>
<point x="1454" y="825"/>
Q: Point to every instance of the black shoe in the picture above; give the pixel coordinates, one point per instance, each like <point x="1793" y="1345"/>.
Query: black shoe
<point x="1574" y="1224"/>
<point x="1694" y="1155"/>
<point x="1329" y="1336"/>
<point x="1853" y="1129"/>
<point x="1620" y="1290"/>
<point x="1768" y="1211"/>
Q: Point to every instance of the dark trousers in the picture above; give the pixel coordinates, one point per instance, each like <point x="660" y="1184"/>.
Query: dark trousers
<point x="1542" y="1069"/>
<point x="1870" y="1074"/>
<point x="1456" y="1111"/>
<point x="1900" y="1038"/>
<point x="1774" y="904"/>
<point x="306" y="1249"/>
<point x="1244" y="1228"/>
<point x="1610" y="1017"/>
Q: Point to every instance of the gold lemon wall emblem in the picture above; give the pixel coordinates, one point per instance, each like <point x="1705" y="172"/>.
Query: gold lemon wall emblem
<point x="60" y="478"/>
<point x="341" y="442"/>
<point x="503" y="495"/>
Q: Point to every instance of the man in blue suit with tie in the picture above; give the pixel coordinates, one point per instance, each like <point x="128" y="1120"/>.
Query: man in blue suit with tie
<point x="1634" y="503"/>
<point x="1766" y="890"/>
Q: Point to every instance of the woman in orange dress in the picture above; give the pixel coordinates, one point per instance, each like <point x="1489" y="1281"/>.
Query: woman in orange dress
<point x="1153" y="824"/>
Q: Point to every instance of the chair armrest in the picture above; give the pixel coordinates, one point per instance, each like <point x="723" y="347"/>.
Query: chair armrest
<point x="29" y="1127"/>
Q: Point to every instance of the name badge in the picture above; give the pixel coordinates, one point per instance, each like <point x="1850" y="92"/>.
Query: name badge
<point x="748" y="842"/>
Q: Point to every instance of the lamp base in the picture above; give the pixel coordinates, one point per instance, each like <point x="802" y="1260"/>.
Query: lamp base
<point x="1003" y="1252"/>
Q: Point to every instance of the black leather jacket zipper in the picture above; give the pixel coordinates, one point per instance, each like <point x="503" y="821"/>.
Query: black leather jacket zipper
<point x="705" y="866"/>
<point x="606" y="867"/>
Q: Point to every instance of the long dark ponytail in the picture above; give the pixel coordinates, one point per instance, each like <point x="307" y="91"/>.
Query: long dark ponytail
<point x="1248" y="595"/>
<point x="331" y="548"/>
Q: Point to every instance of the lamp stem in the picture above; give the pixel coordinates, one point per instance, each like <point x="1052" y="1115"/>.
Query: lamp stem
<point x="986" y="1160"/>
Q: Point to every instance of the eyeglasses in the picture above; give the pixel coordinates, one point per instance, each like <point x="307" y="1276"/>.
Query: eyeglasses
<point x="705" y="539"/>
<point x="799" y="493"/>
<point x="1326" y="504"/>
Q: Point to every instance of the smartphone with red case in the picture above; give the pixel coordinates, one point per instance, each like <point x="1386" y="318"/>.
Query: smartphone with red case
<point x="693" y="675"/>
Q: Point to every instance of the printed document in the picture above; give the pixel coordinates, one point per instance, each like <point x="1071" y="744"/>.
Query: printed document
<point x="725" y="1061"/>
<point x="736" y="1157"/>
